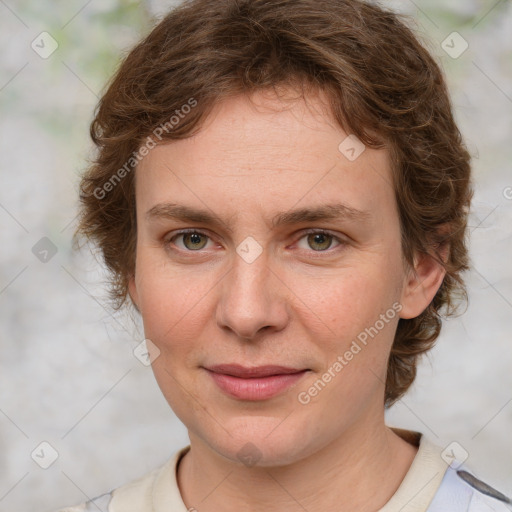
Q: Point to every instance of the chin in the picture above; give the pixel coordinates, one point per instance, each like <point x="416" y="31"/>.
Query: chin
<point x="259" y="442"/>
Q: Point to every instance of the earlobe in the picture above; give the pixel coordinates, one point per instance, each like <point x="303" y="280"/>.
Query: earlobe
<point x="422" y="284"/>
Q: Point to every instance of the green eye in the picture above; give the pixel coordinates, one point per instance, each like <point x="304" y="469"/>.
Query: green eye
<point x="194" y="238"/>
<point x="315" y="240"/>
<point x="321" y="240"/>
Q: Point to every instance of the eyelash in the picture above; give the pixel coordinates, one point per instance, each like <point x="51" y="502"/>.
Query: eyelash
<point x="168" y="241"/>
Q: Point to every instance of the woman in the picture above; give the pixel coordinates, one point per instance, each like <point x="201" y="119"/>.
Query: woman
<point x="282" y="193"/>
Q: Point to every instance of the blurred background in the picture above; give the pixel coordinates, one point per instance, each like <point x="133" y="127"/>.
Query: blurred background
<point x="73" y="398"/>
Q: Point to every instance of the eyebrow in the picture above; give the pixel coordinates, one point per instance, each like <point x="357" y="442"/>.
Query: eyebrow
<point x="329" y="212"/>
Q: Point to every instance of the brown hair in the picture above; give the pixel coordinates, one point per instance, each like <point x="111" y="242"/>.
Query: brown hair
<point x="382" y="85"/>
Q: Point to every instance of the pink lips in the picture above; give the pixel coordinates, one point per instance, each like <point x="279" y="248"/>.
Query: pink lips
<point x="258" y="383"/>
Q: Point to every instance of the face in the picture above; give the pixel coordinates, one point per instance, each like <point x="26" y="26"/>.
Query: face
<point x="263" y="243"/>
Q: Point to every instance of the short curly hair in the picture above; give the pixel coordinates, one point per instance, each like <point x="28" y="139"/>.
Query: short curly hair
<point x="382" y="85"/>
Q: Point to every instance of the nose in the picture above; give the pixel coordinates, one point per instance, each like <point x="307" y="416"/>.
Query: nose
<point x="253" y="299"/>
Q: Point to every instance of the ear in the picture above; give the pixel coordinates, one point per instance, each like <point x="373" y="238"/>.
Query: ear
<point x="422" y="283"/>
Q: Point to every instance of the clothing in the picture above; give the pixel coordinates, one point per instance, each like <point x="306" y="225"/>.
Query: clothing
<point x="430" y="485"/>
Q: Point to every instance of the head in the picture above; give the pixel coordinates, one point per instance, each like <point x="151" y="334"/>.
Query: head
<point x="280" y="120"/>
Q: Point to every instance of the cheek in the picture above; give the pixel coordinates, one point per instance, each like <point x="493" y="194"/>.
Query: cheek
<point x="172" y="306"/>
<point x="359" y="311"/>
<point x="353" y="299"/>
<point x="354" y="348"/>
<point x="173" y="315"/>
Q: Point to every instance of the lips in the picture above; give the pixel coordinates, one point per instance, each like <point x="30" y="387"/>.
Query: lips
<point x="236" y="370"/>
<point x="256" y="383"/>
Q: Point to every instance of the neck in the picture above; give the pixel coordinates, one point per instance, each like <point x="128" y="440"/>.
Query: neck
<point x="361" y="471"/>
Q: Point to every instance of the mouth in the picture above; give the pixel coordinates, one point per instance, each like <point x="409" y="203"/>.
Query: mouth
<point x="256" y="383"/>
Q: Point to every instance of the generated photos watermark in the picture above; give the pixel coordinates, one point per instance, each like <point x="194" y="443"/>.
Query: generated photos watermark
<point x="356" y="346"/>
<point x="144" y="149"/>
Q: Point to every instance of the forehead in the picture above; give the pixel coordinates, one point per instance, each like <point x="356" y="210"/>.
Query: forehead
<point x="264" y="151"/>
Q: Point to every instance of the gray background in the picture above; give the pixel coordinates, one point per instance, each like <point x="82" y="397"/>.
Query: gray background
<point x="67" y="372"/>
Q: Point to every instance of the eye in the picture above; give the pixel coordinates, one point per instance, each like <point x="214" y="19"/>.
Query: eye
<point x="192" y="240"/>
<point x="319" y="240"/>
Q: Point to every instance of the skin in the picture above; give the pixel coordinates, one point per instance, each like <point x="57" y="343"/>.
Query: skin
<point x="300" y="303"/>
